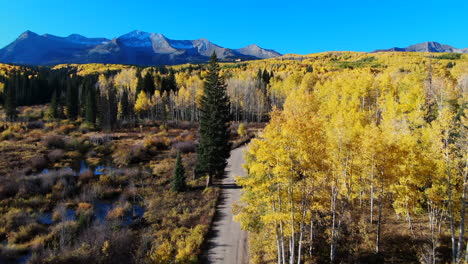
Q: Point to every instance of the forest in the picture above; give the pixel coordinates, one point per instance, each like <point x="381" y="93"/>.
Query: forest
<point x="357" y="158"/>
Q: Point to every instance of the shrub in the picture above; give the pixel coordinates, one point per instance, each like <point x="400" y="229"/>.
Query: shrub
<point x="39" y="162"/>
<point x="55" y="155"/>
<point x="184" y="147"/>
<point x="35" y="125"/>
<point x="25" y="233"/>
<point x="99" y="139"/>
<point x="84" y="207"/>
<point x="125" y="155"/>
<point x="15" y="218"/>
<point x="157" y="142"/>
<point x="77" y="144"/>
<point x="65" y="129"/>
<point x="116" y="213"/>
<point x="162" y="167"/>
<point x="241" y="130"/>
<point x="54" y="141"/>
<point x="86" y="127"/>
<point x="8" y="188"/>
<point x="8" y="135"/>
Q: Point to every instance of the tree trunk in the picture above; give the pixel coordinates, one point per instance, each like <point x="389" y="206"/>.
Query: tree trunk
<point x="293" y="231"/>
<point x="311" y="243"/>
<point x="450" y="202"/>
<point x="333" y="229"/>
<point x="462" y="215"/>
<point x="379" y="226"/>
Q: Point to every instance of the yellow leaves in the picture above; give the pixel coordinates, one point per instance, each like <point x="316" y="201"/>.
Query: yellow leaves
<point x="142" y="103"/>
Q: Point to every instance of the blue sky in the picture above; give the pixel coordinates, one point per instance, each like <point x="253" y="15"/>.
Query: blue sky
<point x="288" y="26"/>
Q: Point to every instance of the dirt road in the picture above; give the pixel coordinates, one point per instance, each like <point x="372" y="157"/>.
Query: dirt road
<point x="227" y="243"/>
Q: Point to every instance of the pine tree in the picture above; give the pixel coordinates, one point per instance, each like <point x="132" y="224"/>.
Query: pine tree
<point x="113" y="106"/>
<point x="10" y="98"/>
<point x="72" y="100"/>
<point x="214" y="146"/>
<point x="90" y="105"/>
<point x="178" y="184"/>
<point x="124" y="105"/>
<point x="148" y="83"/>
<point x="139" y="83"/>
<point x="266" y="77"/>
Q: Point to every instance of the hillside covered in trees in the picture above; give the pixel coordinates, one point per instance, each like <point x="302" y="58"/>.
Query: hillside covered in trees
<point x="363" y="159"/>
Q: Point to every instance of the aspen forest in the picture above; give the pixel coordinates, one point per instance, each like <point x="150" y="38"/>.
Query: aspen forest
<point x="366" y="163"/>
<point x="351" y="157"/>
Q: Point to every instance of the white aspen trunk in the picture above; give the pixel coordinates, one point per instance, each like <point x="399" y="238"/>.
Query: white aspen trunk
<point x="462" y="215"/>
<point x="278" y="244"/>
<point x="332" y="240"/>
<point x="283" y="255"/>
<point x="450" y="201"/>
<point x="293" y="231"/>
<point x="301" y="233"/>
<point x="410" y="224"/>
<point x="372" y="194"/>
<point x="311" y="236"/>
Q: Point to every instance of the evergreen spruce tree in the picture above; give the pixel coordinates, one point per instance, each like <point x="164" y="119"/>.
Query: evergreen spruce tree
<point x="178" y="184"/>
<point x="139" y="84"/>
<point x="214" y="147"/>
<point x="72" y="100"/>
<point x="266" y="77"/>
<point x="148" y="83"/>
<point x="90" y="105"/>
<point x="124" y="105"/>
<point x="113" y="106"/>
<point x="9" y="93"/>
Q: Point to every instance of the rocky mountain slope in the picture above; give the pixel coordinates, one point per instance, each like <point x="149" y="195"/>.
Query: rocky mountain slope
<point x="136" y="47"/>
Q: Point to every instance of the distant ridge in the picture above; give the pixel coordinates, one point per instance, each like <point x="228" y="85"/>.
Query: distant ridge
<point x="430" y="46"/>
<point x="136" y="47"/>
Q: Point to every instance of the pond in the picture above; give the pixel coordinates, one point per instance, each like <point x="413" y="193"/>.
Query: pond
<point x="81" y="167"/>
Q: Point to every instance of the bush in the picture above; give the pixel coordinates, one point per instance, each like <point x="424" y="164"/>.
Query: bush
<point x="25" y="233"/>
<point x="99" y="139"/>
<point x="86" y="127"/>
<point x="8" y="188"/>
<point x="241" y="130"/>
<point x="156" y="143"/>
<point x="77" y="144"/>
<point x="35" y="125"/>
<point x="184" y="147"/>
<point x="65" y="129"/>
<point x="125" y="155"/>
<point x="8" y="135"/>
<point x="54" y="141"/>
<point x="55" y="155"/>
<point x="15" y="218"/>
<point x="39" y="162"/>
<point x="116" y="213"/>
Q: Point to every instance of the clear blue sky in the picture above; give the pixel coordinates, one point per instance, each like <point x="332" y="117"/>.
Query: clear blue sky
<point x="288" y="26"/>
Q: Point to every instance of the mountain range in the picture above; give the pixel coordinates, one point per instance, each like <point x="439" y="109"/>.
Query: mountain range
<point x="136" y="47"/>
<point x="430" y="46"/>
<point x="148" y="49"/>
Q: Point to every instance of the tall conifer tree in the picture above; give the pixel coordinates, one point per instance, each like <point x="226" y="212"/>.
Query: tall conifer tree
<point x="72" y="99"/>
<point x="214" y="147"/>
<point x="178" y="184"/>
<point x="10" y="98"/>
